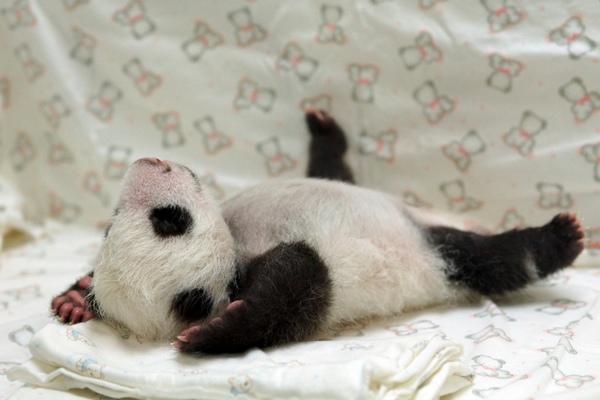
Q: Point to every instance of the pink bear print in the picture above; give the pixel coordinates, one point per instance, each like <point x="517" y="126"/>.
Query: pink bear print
<point x="461" y="152"/>
<point x="553" y="195"/>
<point x="85" y="45"/>
<point x="319" y="102"/>
<point x="63" y="211"/>
<point x="591" y="153"/>
<point x="209" y="181"/>
<point x="502" y="14"/>
<point x="511" y="220"/>
<point x="455" y="192"/>
<point x="423" y="51"/>
<point x="583" y="103"/>
<point x="246" y="31"/>
<point x="58" y="153"/>
<point x="522" y="138"/>
<point x="330" y="30"/>
<point x="92" y="183"/>
<point x="70" y="5"/>
<point x="213" y="139"/>
<point x="561" y="379"/>
<point x="364" y="78"/>
<point x="204" y="39"/>
<point x="170" y="126"/>
<point x="504" y="70"/>
<point x="54" y="110"/>
<point x="560" y="306"/>
<point x="489" y="366"/>
<point x="294" y="59"/>
<point x="489" y="332"/>
<point x="276" y="161"/>
<point x="413" y="199"/>
<point x="102" y="105"/>
<point x="31" y="66"/>
<point x="381" y="145"/>
<point x="18" y="15"/>
<point x="22" y="153"/>
<point x="570" y="34"/>
<point x="144" y="80"/>
<point x="427" y="4"/>
<point x="133" y="16"/>
<point x="250" y="95"/>
<point x="413" y="328"/>
<point x="435" y="107"/>
<point x="117" y="162"/>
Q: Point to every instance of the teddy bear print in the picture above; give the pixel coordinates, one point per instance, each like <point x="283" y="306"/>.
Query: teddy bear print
<point x="92" y="183"/>
<point x="363" y="78"/>
<point x="593" y="239"/>
<point x="553" y="195"/>
<point x="329" y="29"/>
<point x="427" y="4"/>
<point x="89" y="367"/>
<point x="117" y="162"/>
<point x="275" y="160"/>
<point x="76" y="336"/>
<point x="570" y="34"/>
<point x="294" y="59"/>
<point x="565" y="343"/>
<point x="435" y="106"/>
<point x="414" y="200"/>
<point x="511" y="219"/>
<point x="504" y="70"/>
<point x="18" y="15"/>
<point x="249" y="95"/>
<point x="169" y="125"/>
<point x="102" y="105"/>
<point x="423" y="51"/>
<point x="213" y="139"/>
<point x="489" y="366"/>
<point x="489" y="332"/>
<point x="204" y="39"/>
<point x="22" y="153"/>
<point x="560" y="306"/>
<point x="4" y="93"/>
<point x="522" y="138"/>
<point x="502" y="14"/>
<point x="209" y="181"/>
<point x="354" y="346"/>
<point x="54" y="110"/>
<point x="30" y="65"/>
<point x="58" y="153"/>
<point x="61" y="210"/>
<point x="144" y="80"/>
<point x="461" y="152"/>
<point x="591" y="153"/>
<point x="493" y="311"/>
<point x="246" y="31"/>
<point x="567" y="331"/>
<point x="412" y="328"/>
<point x="380" y="145"/>
<point x="21" y="336"/>
<point x="583" y="103"/>
<point x="458" y="201"/>
<point x="561" y="379"/>
<point x="240" y="385"/>
<point x="134" y="17"/>
<point x="85" y="45"/>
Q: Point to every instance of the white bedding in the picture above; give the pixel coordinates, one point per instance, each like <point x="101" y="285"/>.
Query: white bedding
<point x="486" y="109"/>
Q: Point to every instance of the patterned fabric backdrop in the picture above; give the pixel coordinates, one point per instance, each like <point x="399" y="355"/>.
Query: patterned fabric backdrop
<point x="484" y="108"/>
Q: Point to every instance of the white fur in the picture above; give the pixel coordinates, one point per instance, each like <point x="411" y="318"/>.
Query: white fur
<point x="377" y="256"/>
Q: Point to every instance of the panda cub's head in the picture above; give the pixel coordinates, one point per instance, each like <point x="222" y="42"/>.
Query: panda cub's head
<point x="167" y="257"/>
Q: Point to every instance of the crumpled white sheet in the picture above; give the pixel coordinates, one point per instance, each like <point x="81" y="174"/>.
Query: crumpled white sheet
<point x="377" y="365"/>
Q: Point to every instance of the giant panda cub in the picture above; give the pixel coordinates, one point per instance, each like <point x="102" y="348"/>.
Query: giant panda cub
<point x="288" y="260"/>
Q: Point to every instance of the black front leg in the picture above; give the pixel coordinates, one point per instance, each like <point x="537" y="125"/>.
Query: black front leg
<point x="328" y="146"/>
<point x="497" y="264"/>
<point x="283" y="297"/>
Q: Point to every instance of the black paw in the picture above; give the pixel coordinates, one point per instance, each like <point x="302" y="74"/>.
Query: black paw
<point x="560" y="242"/>
<point x="320" y="123"/>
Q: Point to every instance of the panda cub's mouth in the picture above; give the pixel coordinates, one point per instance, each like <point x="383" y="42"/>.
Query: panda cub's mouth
<point x="171" y="220"/>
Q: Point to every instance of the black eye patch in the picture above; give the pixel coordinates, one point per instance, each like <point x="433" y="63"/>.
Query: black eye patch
<point x="171" y="220"/>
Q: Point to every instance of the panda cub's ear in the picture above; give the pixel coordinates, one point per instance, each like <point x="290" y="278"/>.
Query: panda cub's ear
<point x="171" y="220"/>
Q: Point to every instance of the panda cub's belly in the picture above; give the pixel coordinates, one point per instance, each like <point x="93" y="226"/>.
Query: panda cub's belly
<point x="377" y="258"/>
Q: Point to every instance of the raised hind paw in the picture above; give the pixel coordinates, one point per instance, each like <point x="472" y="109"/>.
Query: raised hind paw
<point x="559" y="243"/>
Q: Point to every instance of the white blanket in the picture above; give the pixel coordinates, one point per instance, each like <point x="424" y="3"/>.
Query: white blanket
<point x="381" y="364"/>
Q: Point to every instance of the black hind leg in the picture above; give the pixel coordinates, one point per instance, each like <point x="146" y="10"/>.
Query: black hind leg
<point x="327" y="148"/>
<point x="498" y="264"/>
